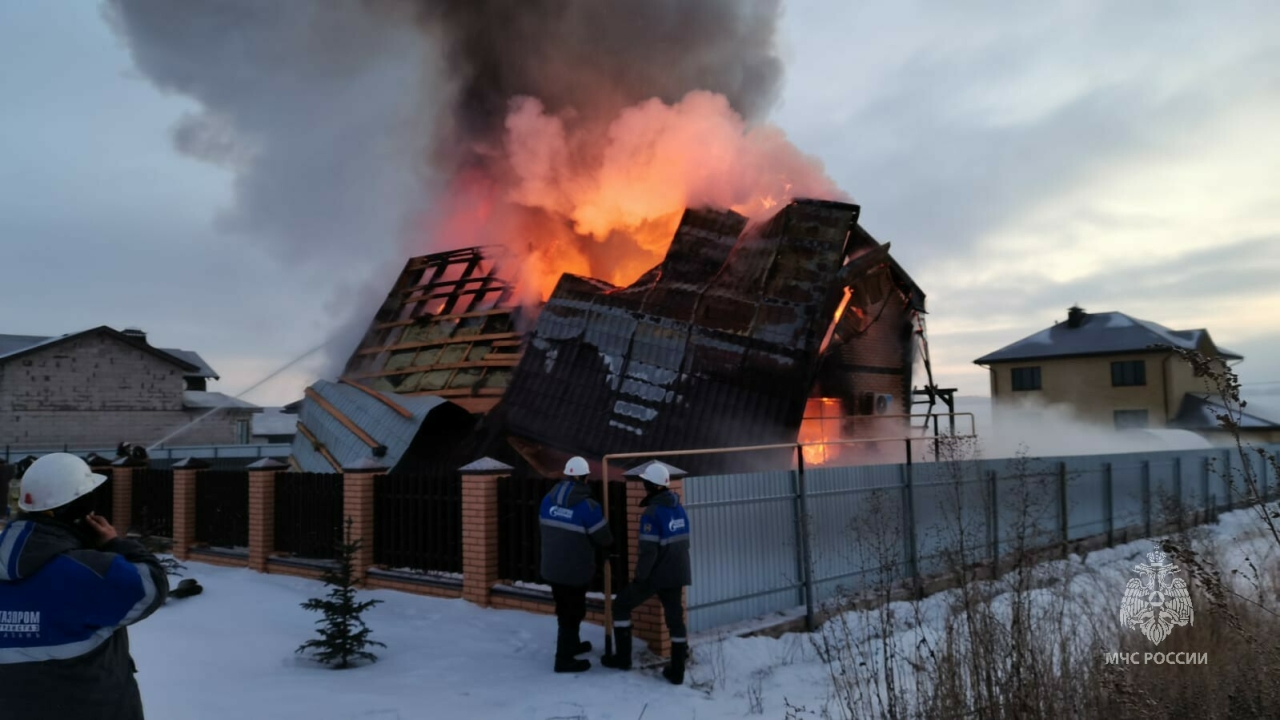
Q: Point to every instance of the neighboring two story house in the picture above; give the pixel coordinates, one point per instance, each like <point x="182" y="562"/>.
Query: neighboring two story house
<point x="100" y="387"/>
<point x="1105" y="367"/>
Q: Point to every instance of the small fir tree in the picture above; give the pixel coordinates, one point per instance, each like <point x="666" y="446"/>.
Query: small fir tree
<point x="343" y="633"/>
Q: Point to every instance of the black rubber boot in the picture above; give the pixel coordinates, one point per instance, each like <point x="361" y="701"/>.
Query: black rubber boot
<point x="621" y="658"/>
<point x="675" y="671"/>
<point x="565" y="660"/>
<point x="584" y="646"/>
<point x="572" y="665"/>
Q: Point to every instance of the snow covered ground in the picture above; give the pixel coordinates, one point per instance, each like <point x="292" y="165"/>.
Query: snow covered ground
<point x="228" y="653"/>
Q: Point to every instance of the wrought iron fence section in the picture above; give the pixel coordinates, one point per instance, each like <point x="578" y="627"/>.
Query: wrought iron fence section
<point x="151" y="504"/>
<point x="308" y="514"/>
<point x="222" y="508"/>
<point x="418" y="520"/>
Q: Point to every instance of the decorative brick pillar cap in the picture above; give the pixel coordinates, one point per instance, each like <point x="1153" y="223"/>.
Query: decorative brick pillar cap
<point x="675" y="472"/>
<point x="485" y="466"/>
<point x="368" y="464"/>
<point x="267" y="464"/>
<point x="190" y="463"/>
<point x="96" y="460"/>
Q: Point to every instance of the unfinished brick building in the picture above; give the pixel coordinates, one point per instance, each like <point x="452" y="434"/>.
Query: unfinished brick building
<point x="99" y="387"/>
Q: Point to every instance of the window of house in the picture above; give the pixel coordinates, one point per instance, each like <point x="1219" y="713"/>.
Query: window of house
<point x="1129" y="419"/>
<point x="242" y="432"/>
<point x="1027" y="378"/>
<point x="1128" y="373"/>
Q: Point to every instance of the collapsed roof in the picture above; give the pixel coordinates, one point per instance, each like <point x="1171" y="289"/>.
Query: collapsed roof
<point x="722" y="343"/>
<point x="447" y="328"/>
<point x="719" y="345"/>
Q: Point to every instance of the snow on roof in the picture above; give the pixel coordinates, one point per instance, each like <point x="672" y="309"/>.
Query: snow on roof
<point x="10" y="344"/>
<point x="198" y="399"/>
<point x="14" y="343"/>
<point x="274" y="421"/>
<point x="1100" y="334"/>
<point x="672" y="470"/>
<point x="485" y="465"/>
<point x="204" y="370"/>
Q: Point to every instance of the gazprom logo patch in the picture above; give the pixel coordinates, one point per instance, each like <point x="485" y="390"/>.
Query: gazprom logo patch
<point x="562" y="513"/>
<point x="19" y="623"/>
<point x="676" y="525"/>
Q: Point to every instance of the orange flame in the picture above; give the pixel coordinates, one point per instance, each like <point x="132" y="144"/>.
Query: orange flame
<point x="821" y="424"/>
<point x="605" y="201"/>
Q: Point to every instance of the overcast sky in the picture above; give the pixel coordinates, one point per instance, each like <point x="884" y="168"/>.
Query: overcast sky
<point x="1019" y="158"/>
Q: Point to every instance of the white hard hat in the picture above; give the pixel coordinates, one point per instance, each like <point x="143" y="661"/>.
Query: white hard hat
<point x="657" y="474"/>
<point x="56" y="480"/>
<point x="576" y="467"/>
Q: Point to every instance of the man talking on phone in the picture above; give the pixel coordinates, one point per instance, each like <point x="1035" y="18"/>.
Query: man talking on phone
<point x="69" y="586"/>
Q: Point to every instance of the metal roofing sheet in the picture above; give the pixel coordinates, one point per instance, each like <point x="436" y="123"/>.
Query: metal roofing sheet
<point x="274" y="421"/>
<point x="371" y="415"/>
<point x="14" y="343"/>
<point x="1099" y="333"/>
<point x="610" y="371"/>
<point x="1199" y="411"/>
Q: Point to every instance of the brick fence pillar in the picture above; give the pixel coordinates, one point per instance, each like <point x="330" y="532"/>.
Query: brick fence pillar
<point x="262" y="511"/>
<point x="121" y="474"/>
<point x="647" y="621"/>
<point x="184" y="505"/>
<point x="357" y="506"/>
<point x="480" y="528"/>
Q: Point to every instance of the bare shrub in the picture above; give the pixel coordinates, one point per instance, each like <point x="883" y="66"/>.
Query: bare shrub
<point x="755" y="692"/>
<point x="1022" y="636"/>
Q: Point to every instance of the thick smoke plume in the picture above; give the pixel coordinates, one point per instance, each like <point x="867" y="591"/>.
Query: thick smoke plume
<point x="572" y="131"/>
<point x="596" y="57"/>
<point x="582" y="128"/>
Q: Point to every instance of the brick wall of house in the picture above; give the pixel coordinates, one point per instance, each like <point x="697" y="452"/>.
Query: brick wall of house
<point x="878" y="361"/>
<point x="98" y="391"/>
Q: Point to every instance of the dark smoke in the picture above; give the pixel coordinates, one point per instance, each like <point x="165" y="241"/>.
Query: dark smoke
<point x="595" y="57"/>
<point x="320" y="109"/>
<point x="342" y="120"/>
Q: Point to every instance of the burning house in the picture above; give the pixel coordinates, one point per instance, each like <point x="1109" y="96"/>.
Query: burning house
<point x="745" y="333"/>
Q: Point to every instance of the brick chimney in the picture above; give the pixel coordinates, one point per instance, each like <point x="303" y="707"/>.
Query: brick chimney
<point x="135" y="334"/>
<point x="1076" y="316"/>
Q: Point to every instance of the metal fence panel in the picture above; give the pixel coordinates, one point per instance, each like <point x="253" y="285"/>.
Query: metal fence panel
<point x="857" y="524"/>
<point x="950" y="514"/>
<point x="151" y="511"/>
<point x="418" y="520"/>
<point x="1086" y="502"/>
<point x="104" y="496"/>
<point x="747" y="557"/>
<point x="1128" y="504"/>
<point x="1028" y="503"/>
<point x="308" y="514"/>
<point x="744" y="547"/>
<point x="222" y="508"/>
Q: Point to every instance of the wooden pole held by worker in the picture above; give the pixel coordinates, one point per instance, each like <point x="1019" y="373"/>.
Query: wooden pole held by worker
<point x="608" y="566"/>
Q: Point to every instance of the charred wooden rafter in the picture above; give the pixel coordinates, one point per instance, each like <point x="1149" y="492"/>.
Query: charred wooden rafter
<point x="447" y="328"/>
